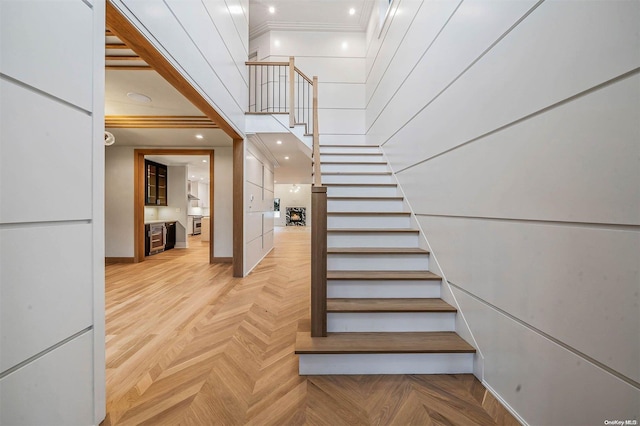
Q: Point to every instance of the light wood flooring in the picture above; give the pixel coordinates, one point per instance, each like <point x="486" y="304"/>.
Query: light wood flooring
<point x="188" y="344"/>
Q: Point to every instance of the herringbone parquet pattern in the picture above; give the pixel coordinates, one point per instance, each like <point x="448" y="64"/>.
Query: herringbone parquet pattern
<point x="188" y="344"/>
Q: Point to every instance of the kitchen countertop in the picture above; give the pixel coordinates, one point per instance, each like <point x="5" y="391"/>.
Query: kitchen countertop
<point x="153" y="222"/>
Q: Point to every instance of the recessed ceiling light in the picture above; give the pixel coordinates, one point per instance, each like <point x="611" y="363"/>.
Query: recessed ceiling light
<point x="352" y="11"/>
<point x="201" y="178"/>
<point x="286" y="158"/>
<point x="345" y="45"/>
<point x="199" y="136"/>
<point x="276" y="43"/>
<point x="272" y="9"/>
<point x="236" y="10"/>
<point x="139" y="97"/>
<point x="204" y="161"/>
<point x="192" y="176"/>
<point x="279" y="142"/>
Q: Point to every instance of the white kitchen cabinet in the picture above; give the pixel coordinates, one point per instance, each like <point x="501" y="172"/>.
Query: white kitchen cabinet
<point x="203" y="194"/>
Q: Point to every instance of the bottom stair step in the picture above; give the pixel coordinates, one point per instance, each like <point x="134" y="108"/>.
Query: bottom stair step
<point x="384" y="353"/>
<point x="382" y="343"/>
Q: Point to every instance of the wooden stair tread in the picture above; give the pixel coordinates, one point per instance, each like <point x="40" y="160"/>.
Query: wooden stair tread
<point x="368" y="213"/>
<point x="398" y="230"/>
<point x="377" y="343"/>
<point x="382" y="275"/>
<point x="388" y="305"/>
<point x="376" y="250"/>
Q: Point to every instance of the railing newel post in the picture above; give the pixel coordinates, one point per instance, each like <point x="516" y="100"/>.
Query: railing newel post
<point x="292" y="69"/>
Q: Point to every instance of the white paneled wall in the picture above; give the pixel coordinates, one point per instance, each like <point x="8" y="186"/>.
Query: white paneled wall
<point x="513" y="129"/>
<point x="258" y="218"/>
<point x="205" y="41"/>
<point x="51" y="212"/>
<point x="338" y="59"/>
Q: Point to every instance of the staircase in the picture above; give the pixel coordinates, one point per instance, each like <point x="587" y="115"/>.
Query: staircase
<point x="384" y="312"/>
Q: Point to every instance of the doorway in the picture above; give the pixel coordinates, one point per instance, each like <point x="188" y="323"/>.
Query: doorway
<point x="139" y="196"/>
<point x="121" y="28"/>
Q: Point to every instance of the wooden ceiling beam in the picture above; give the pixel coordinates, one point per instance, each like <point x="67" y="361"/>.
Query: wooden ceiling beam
<point x="159" y="122"/>
<point x="122" y="58"/>
<point x="116" y="46"/>
<point x="128" y="67"/>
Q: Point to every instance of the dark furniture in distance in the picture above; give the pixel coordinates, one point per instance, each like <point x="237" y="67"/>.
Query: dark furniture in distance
<point x="155" y="184"/>
<point x="171" y="235"/>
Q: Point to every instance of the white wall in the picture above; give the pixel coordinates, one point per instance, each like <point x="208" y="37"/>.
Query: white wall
<point x="51" y="212"/>
<point x="118" y="204"/>
<point x="258" y="218"/>
<point x="205" y="42"/>
<point x="177" y="202"/>
<point x="513" y="129"/>
<point x="340" y="71"/>
<point x="223" y="205"/>
<point x="289" y="198"/>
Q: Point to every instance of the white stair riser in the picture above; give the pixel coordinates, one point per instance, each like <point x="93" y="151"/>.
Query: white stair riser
<point x="358" y="179"/>
<point x="439" y="363"/>
<point x="349" y="149"/>
<point x="352" y="221"/>
<point x="390" y="321"/>
<point x="378" y="262"/>
<point x="343" y="158"/>
<point x="372" y="239"/>
<point x="362" y="191"/>
<point x="381" y="167"/>
<point x="351" y="205"/>
<point x="362" y="289"/>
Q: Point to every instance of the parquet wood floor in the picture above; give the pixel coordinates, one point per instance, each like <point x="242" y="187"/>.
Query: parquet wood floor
<point x="188" y="344"/>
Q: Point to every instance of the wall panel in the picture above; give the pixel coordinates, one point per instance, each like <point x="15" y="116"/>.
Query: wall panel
<point x="520" y="366"/>
<point x="38" y="299"/>
<point x="582" y="153"/>
<point x="552" y="277"/>
<point x="37" y="49"/>
<point x="56" y="389"/>
<point x="45" y="161"/>
<point x="500" y="89"/>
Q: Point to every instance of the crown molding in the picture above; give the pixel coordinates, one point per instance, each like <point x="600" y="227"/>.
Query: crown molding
<point x="303" y="26"/>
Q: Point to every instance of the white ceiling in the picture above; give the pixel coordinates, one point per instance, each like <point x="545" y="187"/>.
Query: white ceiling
<point x="312" y="15"/>
<point x="166" y="101"/>
<point x="296" y="169"/>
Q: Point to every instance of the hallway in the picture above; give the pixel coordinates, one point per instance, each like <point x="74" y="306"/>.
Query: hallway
<point x="189" y="344"/>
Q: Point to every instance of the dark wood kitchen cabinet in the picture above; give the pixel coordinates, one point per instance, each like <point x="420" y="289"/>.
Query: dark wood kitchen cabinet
<point x="171" y="235"/>
<point x="155" y="181"/>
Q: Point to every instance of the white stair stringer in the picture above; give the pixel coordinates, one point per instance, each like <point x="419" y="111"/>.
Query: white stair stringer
<point x="374" y="255"/>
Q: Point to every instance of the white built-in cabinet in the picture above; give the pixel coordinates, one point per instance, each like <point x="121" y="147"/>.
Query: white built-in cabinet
<point x="203" y="194"/>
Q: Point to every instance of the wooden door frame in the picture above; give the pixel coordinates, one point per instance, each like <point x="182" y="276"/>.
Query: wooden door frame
<point x="139" y="189"/>
<point x="134" y="39"/>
